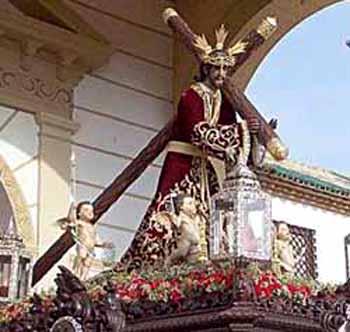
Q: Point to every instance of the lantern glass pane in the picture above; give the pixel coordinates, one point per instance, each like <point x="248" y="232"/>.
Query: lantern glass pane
<point x="216" y="226"/>
<point x="255" y="230"/>
<point x="23" y="277"/>
<point x="5" y="275"/>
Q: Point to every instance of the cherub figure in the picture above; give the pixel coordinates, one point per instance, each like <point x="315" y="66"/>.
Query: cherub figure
<point x="84" y="233"/>
<point x="283" y="261"/>
<point x="191" y="227"/>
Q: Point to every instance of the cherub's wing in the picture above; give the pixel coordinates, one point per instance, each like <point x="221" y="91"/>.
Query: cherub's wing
<point x="65" y="222"/>
<point x="62" y="223"/>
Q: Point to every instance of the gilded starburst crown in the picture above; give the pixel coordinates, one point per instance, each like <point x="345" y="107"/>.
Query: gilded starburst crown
<point x="218" y="55"/>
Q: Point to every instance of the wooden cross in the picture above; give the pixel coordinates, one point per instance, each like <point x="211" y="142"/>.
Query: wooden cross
<point x="113" y="192"/>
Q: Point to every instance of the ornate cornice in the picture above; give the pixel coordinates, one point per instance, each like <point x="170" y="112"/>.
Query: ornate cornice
<point x="41" y="62"/>
<point x="59" y="14"/>
<point x="72" y="52"/>
<point x="315" y="177"/>
<point x="303" y="192"/>
<point x="28" y="87"/>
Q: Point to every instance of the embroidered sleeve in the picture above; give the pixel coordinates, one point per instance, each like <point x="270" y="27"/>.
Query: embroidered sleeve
<point x="214" y="140"/>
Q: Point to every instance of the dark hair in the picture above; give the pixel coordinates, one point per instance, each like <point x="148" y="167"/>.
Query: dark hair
<point x="201" y="75"/>
<point x="79" y="206"/>
<point x="179" y="199"/>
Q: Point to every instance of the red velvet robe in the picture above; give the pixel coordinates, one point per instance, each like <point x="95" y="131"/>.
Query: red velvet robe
<point x="153" y="241"/>
<point x="190" y="112"/>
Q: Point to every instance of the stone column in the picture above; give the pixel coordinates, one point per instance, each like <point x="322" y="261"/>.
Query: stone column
<point x="55" y="151"/>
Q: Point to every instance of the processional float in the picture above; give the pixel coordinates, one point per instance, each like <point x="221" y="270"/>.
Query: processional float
<point x="248" y="313"/>
<point x="239" y="102"/>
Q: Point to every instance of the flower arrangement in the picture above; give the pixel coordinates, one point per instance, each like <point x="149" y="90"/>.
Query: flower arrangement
<point x="17" y="311"/>
<point x="181" y="288"/>
<point x="267" y="285"/>
<point x="177" y="283"/>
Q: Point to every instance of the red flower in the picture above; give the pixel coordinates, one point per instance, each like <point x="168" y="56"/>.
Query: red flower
<point x="175" y="295"/>
<point x="292" y="288"/>
<point x="217" y="276"/>
<point x="258" y="290"/>
<point x="229" y="281"/>
<point x="154" y="284"/>
<point x="304" y="291"/>
<point x="174" y="282"/>
<point x="138" y="281"/>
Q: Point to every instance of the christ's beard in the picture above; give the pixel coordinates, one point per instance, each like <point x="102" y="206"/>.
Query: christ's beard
<point x="218" y="83"/>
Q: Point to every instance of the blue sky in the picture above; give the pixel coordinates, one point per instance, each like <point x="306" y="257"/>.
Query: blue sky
<point x="305" y="82"/>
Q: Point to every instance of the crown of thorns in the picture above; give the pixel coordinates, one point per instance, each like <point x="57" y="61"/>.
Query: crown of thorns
<point x="218" y="55"/>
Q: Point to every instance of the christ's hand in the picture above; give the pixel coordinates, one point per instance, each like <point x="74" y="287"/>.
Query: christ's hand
<point x="253" y="125"/>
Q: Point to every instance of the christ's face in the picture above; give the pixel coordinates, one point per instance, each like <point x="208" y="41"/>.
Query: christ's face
<point x="216" y="76"/>
<point x="86" y="212"/>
